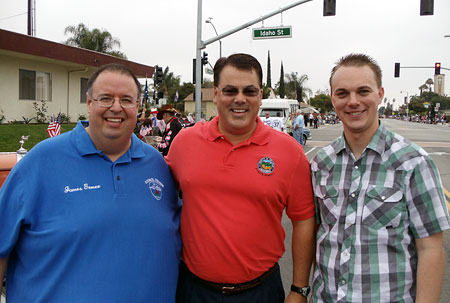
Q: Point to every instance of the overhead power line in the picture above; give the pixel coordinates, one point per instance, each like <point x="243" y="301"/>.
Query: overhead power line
<point x="1" y="19"/>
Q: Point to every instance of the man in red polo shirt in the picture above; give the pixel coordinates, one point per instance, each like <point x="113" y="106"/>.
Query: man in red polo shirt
<point x="237" y="175"/>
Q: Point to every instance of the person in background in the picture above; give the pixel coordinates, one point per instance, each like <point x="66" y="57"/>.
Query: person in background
<point x="267" y="120"/>
<point x="289" y="123"/>
<point x="305" y="119"/>
<point x="81" y="212"/>
<point x="380" y="202"/>
<point x="173" y="127"/>
<point x="298" y="127"/>
<point x="277" y="123"/>
<point x="237" y="176"/>
<point x="311" y="119"/>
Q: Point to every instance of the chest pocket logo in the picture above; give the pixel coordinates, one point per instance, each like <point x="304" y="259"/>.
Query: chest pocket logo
<point x="266" y="166"/>
<point x="156" y="187"/>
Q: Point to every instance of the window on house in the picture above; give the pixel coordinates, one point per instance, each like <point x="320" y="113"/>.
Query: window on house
<point x="83" y="89"/>
<point x="35" y="85"/>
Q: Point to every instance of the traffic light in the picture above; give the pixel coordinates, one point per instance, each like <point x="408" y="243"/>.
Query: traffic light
<point x="437" y="68"/>
<point x="397" y="70"/>
<point x="329" y="7"/>
<point x="426" y="7"/>
<point x="205" y="58"/>
<point x="159" y="72"/>
<point x="157" y="75"/>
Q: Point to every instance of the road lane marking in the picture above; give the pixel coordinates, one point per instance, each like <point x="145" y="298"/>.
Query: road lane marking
<point x="310" y="150"/>
<point x="447" y="197"/>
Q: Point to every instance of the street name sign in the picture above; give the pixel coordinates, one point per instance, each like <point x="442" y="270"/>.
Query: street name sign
<point x="272" y="32"/>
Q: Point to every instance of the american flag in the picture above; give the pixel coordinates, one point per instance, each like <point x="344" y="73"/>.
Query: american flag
<point x="145" y="97"/>
<point x="54" y="128"/>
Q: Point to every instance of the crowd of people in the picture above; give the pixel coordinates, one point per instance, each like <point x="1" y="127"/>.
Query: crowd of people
<point x="97" y="215"/>
<point x="429" y="119"/>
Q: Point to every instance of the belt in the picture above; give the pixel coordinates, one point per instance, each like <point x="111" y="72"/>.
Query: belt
<point x="231" y="289"/>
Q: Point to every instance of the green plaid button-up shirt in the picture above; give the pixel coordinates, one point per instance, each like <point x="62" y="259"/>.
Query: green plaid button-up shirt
<point x="370" y="211"/>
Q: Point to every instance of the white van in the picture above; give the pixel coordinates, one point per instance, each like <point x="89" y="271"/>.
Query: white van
<point x="285" y="107"/>
<point x="274" y="106"/>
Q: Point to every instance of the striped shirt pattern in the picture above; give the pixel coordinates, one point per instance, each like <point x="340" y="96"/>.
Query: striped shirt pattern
<point x="370" y="211"/>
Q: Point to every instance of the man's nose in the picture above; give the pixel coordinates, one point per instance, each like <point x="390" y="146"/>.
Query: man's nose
<point x="353" y="98"/>
<point x="116" y="106"/>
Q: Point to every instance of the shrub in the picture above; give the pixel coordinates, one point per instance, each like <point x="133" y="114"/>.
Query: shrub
<point x="41" y="111"/>
<point x="64" y="118"/>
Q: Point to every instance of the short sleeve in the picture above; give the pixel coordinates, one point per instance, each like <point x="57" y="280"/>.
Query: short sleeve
<point x="426" y="201"/>
<point x="300" y="198"/>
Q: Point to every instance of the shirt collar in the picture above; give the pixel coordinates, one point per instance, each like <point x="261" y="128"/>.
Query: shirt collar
<point x="260" y="136"/>
<point x="85" y="146"/>
<point x="377" y="143"/>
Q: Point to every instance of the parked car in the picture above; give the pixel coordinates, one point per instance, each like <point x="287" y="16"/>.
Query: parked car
<point x="306" y="135"/>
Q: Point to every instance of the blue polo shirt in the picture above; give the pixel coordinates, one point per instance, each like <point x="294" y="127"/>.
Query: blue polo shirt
<point x="80" y="228"/>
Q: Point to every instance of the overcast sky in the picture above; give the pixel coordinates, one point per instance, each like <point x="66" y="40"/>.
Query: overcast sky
<point x="164" y="33"/>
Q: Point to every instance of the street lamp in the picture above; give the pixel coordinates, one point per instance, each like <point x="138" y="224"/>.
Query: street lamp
<point x="220" y="41"/>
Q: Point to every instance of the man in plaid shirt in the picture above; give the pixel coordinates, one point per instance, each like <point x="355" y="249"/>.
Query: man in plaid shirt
<point x="379" y="202"/>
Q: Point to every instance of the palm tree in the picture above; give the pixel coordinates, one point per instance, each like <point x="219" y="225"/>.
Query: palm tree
<point x="97" y="40"/>
<point x="294" y="82"/>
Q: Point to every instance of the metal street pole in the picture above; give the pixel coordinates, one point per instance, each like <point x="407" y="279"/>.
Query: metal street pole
<point x="220" y="41"/>
<point x="198" y="65"/>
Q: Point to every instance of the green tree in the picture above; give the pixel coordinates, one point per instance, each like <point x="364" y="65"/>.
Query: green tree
<point x="169" y="85"/>
<point x="207" y="83"/>
<point x="97" y="40"/>
<point x="388" y="110"/>
<point x="269" y="76"/>
<point x="266" y="91"/>
<point x="293" y="82"/>
<point x="322" y="102"/>
<point x="282" y="87"/>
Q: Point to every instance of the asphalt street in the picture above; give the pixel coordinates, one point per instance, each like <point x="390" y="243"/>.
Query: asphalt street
<point x="435" y="139"/>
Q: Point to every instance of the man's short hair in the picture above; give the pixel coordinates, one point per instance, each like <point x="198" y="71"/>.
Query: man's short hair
<point x="358" y="60"/>
<point x="240" y="61"/>
<point x="114" y="67"/>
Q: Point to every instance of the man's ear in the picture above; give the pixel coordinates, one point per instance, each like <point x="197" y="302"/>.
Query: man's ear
<point x="380" y="95"/>
<point x="216" y="91"/>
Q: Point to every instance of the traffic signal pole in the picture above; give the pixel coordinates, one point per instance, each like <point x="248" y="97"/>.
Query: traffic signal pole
<point x="202" y="44"/>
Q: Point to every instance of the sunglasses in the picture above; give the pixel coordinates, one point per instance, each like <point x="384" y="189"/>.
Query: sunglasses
<point x="232" y="91"/>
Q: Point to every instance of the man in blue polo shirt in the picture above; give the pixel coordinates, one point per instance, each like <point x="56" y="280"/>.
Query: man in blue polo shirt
<point x="92" y="215"/>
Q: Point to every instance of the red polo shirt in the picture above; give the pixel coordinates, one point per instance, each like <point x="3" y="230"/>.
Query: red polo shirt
<point x="234" y="197"/>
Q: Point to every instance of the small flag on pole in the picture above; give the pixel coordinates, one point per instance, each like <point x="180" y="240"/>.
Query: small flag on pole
<point x="145" y="97"/>
<point x="54" y="128"/>
<point x="176" y="97"/>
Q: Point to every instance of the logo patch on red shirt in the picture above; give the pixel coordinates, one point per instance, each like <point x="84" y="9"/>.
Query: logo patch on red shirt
<point x="266" y="166"/>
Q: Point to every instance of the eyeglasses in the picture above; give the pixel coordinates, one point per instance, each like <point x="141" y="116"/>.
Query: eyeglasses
<point x="232" y="91"/>
<point x="108" y="101"/>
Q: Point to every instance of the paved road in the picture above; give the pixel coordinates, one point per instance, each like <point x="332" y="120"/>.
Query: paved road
<point x="435" y="139"/>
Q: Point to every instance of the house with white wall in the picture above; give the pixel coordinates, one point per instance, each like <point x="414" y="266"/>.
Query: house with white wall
<point x="34" y="69"/>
